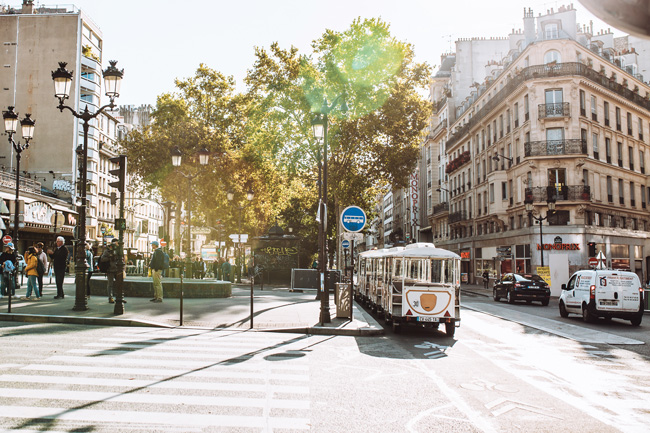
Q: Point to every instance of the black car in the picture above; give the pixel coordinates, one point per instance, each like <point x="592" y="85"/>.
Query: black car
<point x="526" y="287"/>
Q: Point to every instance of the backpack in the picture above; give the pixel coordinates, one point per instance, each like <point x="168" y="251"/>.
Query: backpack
<point x="165" y="260"/>
<point x="9" y="267"/>
<point x="103" y="266"/>
<point x="40" y="267"/>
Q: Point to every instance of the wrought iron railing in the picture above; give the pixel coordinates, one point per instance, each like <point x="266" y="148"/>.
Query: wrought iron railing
<point x="440" y="207"/>
<point x="455" y="217"/>
<point x="545" y="71"/>
<point x="561" y="193"/>
<point x="555" y="147"/>
<point x="561" y="109"/>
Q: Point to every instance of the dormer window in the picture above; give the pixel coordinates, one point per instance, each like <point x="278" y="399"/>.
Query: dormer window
<point x="551" y="31"/>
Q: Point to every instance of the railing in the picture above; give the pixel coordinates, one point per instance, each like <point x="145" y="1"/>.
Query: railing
<point x="545" y="71"/>
<point x="455" y="217"/>
<point x="561" y="109"/>
<point x="441" y="207"/>
<point x="8" y="180"/>
<point x="555" y="147"/>
<point x="563" y="193"/>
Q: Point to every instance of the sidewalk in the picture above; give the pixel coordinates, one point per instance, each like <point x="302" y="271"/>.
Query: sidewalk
<point x="276" y="309"/>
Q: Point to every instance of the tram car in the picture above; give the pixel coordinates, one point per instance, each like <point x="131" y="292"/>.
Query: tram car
<point x="418" y="284"/>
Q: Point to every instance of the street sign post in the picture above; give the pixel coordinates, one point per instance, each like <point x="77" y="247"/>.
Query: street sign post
<point x="353" y="219"/>
<point x="593" y="261"/>
<point x="353" y="236"/>
<point x="345" y="243"/>
<point x="6" y="239"/>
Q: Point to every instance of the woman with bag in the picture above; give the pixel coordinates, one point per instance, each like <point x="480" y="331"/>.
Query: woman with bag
<point x="31" y="259"/>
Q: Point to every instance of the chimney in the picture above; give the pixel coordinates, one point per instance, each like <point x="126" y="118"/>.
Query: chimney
<point x="28" y="7"/>
<point x="529" y="26"/>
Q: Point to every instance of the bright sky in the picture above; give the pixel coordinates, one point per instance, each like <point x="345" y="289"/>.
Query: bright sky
<point x="156" y="41"/>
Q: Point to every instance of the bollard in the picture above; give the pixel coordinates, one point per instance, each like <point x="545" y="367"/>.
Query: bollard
<point x="181" y="300"/>
<point x="252" y="282"/>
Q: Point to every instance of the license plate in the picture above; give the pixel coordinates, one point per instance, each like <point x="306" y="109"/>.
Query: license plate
<point x="428" y="319"/>
<point x="608" y="302"/>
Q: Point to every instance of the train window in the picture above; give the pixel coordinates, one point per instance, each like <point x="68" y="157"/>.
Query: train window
<point x="397" y="270"/>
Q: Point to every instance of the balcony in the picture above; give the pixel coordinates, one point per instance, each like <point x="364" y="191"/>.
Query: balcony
<point x="561" y="109"/>
<point x="457" y="217"/>
<point x="543" y="71"/>
<point x="555" y="147"/>
<point x="440" y="207"/>
<point x="455" y="164"/>
<point x="564" y="193"/>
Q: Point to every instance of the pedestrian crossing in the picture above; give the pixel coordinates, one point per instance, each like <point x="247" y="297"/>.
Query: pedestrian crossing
<point x="169" y="380"/>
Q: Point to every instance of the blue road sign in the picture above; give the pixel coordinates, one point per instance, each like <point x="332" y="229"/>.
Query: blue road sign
<point x="353" y="219"/>
<point x="345" y="243"/>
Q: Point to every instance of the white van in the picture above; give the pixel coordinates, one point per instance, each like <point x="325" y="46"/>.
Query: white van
<point x="603" y="293"/>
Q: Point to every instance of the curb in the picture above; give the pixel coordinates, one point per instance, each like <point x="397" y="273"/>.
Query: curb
<point x="99" y="321"/>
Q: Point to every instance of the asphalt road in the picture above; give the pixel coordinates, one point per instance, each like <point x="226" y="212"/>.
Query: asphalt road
<point x="496" y="375"/>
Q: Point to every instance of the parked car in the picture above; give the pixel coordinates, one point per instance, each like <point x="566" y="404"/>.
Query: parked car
<point x="525" y="287"/>
<point x="603" y="293"/>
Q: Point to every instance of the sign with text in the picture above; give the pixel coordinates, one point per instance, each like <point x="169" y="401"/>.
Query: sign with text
<point x="545" y="273"/>
<point x="358" y="237"/>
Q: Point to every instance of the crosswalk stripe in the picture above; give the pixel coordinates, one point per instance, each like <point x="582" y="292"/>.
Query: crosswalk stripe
<point x="137" y="383"/>
<point x="161" y="352"/>
<point x="120" y="360"/>
<point x="251" y="373"/>
<point x="162" y="418"/>
<point x="149" y="398"/>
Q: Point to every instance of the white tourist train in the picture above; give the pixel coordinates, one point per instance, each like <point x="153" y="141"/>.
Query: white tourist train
<point x="417" y="284"/>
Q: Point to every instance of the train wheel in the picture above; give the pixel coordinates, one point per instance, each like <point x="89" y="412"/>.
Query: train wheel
<point x="450" y="329"/>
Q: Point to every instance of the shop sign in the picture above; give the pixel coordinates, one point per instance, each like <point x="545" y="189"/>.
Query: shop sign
<point x="415" y="198"/>
<point x="38" y="212"/>
<point x="547" y="247"/>
<point x="465" y="255"/>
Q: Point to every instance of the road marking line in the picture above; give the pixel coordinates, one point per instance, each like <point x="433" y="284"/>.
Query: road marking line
<point x="149" y="398"/>
<point x="120" y="417"/>
<point x="137" y="383"/>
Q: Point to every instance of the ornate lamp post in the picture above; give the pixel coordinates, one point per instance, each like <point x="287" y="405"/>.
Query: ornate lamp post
<point x="11" y="125"/>
<point x="319" y="125"/>
<point x="550" y="202"/>
<point x="231" y="196"/>
<point x="204" y="156"/>
<point x="62" y="82"/>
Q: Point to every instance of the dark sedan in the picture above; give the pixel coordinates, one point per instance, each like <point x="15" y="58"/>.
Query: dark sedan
<point x="525" y="287"/>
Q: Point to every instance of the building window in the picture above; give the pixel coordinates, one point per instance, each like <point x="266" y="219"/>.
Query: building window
<point x="643" y="202"/>
<point x="491" y="193"/>
<point x="501" y="126"/>
<point x="630" y="155"/>
<point x="610" y="194"/>
<point x="552" y="55"/>
<point x="606" y="112"/>
<point x="642" y="161"/>
<point x="618" y="119"/>
<point x="594" y="110"/>
<point x="608" y="150"/>
<point x="629" y="124"/>
<point x="594" y="139"/>
<point x="621" y="197"/>
<point x="515" y="112"/>
<point x="632" y="195"/>
<point x="508" y="122"/>
<point x="526" y="110"/>
<point x="504" y="191"/>
<point x="619" y="149"/>
<point x="640" y="129"/>
<point x="583" y="104"/>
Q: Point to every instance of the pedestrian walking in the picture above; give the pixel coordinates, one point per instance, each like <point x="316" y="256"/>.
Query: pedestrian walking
<point x="59" y="262"/>
<point x="225" y="269"/>
<point x="157" y="265"/>
<point x="108" y="262"/>
<point x="90" y="260"/>
<point x="216" y="268"/>
<point x="486" y="278"/>
<point x="31" y="261"/>
<point x="42" y="265"/>
<point x="8" y="263"/>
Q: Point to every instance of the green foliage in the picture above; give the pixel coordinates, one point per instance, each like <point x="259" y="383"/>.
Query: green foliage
<point x="262" y="139"/>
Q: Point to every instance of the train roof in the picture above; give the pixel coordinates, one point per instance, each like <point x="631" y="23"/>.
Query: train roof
<point x="424" y="250"/>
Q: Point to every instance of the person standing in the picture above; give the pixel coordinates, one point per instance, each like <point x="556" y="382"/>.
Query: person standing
<point x="42" y="257"/>
<point x="225" y="269"/>
<point x="8" y="270"/>
<point x="156" y="266"/>
<point x="60" y="263"/>
<point x="31" y="261"/>
<point x="90" y="260"/>
<point x="110" y="256"/>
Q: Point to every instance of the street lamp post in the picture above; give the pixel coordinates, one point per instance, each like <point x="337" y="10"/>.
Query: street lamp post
<point x="319" y="125"/>
<point x="231" y="196"/>
<point x="11" y="125"/>
<point x="551" y="211"/>
<point x="177" y="155"/>
<point x="62" y="82"/>
<point x="497" y="159"/>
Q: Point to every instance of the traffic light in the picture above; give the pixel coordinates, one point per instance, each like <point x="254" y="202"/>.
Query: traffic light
<point x="592" y="249"/>
<point x="119" y="172"/>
